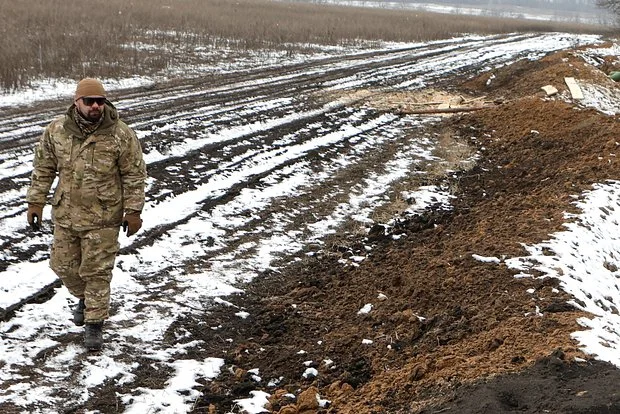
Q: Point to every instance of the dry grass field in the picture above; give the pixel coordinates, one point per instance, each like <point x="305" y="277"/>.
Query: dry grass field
<point x="115" y="38"/>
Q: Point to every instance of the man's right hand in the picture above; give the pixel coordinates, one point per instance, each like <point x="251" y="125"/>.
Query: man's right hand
<point x="35" y="212"/>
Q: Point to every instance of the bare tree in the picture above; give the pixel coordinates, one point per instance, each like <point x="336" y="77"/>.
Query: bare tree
<point x="611" y="5"/>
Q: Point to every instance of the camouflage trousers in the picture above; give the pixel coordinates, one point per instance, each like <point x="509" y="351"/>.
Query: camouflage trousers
<point x="84" y="260"/>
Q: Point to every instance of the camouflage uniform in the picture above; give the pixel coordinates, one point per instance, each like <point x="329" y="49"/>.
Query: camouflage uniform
<point x="100" y="177"/>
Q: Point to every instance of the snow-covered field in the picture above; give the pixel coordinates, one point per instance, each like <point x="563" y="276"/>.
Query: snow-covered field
<point x="222" y="159"/>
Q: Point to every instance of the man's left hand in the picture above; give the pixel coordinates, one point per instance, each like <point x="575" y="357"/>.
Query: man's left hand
<point x="132" y="223"/>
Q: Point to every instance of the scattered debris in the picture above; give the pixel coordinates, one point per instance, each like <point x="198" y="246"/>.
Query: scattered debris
<point x="550" y="90"/>
<point x="574" y="88"/>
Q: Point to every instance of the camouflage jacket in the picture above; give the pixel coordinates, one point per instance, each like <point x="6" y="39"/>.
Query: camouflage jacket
<point x="99" y="177"/>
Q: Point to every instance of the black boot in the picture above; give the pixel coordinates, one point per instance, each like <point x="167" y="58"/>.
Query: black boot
<point x="78" y="313"/>
<point x="93" y="336"/>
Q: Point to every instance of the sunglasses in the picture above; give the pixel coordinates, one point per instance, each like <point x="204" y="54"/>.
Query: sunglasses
<point x="90" y="101"/>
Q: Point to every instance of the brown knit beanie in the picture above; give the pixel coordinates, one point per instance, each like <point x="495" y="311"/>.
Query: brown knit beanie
<point x="89" y="87"/>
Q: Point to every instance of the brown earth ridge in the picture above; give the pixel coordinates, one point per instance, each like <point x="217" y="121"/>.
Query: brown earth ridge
<point x="479" y="348"/>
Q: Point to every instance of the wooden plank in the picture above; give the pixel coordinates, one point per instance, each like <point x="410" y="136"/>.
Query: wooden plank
<point x="444" y="110"/>
<point x="480" y="98"/>
<point x="574" y="88"/>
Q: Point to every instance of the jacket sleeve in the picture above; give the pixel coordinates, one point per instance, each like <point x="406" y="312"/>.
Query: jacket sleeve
<point x="45" y="167"/>
<point x="133" y="171"/>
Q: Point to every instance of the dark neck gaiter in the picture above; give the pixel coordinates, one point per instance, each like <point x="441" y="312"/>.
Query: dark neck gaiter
<point x="87" y="127"/>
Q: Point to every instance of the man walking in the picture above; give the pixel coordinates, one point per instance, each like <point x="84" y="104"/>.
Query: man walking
<point x="101" y="176"/>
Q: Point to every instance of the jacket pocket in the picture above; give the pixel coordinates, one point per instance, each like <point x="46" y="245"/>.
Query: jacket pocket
<point x="60" y="213"/>
<point x="55" y="201"/>
<point x="104" y="158"/>
<point x="110" y="201"/>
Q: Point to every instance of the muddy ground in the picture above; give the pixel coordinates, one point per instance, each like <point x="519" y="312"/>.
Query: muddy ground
<point x="480" y="348"/>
